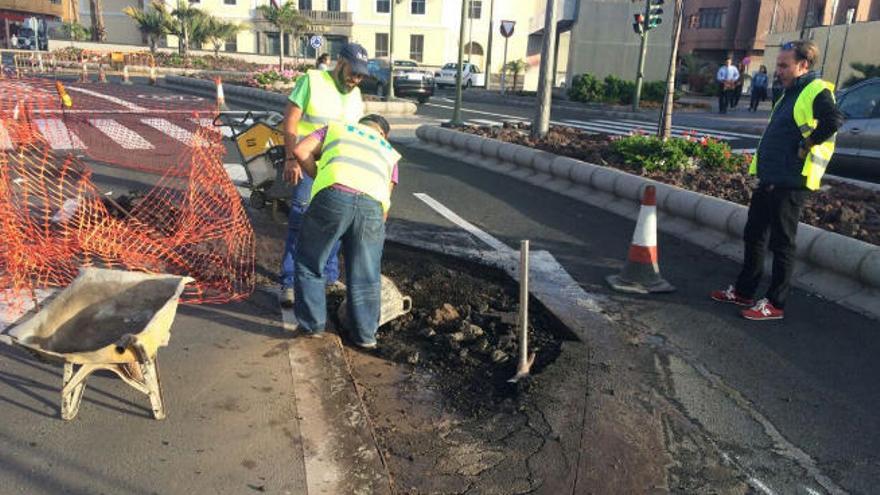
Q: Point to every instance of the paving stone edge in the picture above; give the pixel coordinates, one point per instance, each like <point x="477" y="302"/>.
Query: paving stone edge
<point x="839" y="268"/>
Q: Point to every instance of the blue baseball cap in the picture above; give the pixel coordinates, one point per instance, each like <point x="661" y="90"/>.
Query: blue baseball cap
<point x="357" y="57"/>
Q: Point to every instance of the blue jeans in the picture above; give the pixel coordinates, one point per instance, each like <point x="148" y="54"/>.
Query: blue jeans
<point x="298" y="206"/>
<point x="357" y="220"/>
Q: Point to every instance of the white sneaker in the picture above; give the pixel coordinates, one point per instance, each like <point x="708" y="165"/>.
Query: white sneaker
<point x="286" y="298"/>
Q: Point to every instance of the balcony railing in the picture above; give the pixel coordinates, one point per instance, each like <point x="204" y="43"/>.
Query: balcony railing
<point x="327" y="18"/>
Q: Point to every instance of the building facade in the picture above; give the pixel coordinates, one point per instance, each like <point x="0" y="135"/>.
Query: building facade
<point x="426" y="31"/>
<point x="715" y="29"/>
<point x="28" y="14"/>
<point x="602" y="41"/>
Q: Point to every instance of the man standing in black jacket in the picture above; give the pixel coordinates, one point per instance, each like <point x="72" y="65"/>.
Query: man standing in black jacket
<point x="790" y="160"/>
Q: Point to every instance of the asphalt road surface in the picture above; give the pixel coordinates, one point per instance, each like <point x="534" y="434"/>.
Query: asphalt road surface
<point x="790" y="404"/>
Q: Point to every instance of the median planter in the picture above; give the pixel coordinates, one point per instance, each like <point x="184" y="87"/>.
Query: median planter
<point x="843" y="269"/>
<point x="248" y="95"/>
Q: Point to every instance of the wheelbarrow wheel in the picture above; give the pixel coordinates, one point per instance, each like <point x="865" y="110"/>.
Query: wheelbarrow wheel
<point x="258" y="200"/>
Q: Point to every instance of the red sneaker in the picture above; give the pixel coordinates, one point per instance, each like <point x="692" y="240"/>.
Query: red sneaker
<point x="729" y="295"/>
<point x="763" y="310"/>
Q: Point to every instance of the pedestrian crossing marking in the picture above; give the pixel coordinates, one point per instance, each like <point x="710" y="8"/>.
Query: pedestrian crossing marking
<point x="121" y="135"/>
<point x="5" y="140"/>
<point x="58" y="135"/>
<point x="623" y="128"/>
<point x="171" y="130"/>
<point x="209" y="124"/>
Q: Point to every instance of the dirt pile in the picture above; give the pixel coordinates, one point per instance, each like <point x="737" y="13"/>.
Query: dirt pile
<point x="838" y="207"/>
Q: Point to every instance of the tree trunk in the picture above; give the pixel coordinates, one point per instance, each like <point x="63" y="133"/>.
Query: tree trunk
<point x="280" y="51"/>
<point x="153" y="45"/>
<point x="541" y="122"/>
<point x="183" y="44"/>
<point x="665" y="125"/>
<point x="93" y="15"/>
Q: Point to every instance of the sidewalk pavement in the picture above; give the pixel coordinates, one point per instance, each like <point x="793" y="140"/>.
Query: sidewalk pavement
<point x="232" y="425"/>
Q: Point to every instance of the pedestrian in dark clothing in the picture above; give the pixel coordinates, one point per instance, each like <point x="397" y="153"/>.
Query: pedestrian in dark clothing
<point x="791" y="158"/>
<point x="759" y="88"/>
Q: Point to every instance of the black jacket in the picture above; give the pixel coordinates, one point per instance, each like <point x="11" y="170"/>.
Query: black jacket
<point x="778" y="161"/>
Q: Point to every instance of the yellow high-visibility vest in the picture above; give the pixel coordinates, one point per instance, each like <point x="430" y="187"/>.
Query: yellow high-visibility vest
<point x="820" y="154"/>
<point x="326" y="104"/>
<point x="358" y="157"/>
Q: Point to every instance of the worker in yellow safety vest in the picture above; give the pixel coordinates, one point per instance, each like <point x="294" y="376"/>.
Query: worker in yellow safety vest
<point x="790" y="160"/>
<point x="355" y="170"/>
<point x="318" y="98"/>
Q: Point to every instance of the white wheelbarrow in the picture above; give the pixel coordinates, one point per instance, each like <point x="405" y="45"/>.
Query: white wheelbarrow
<point x="106" y="319"/>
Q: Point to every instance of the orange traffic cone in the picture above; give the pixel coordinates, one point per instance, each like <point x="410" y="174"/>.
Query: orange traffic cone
<point x="221" y="99"/>
<point x="153" y="76"/>
<point x="641" y="273"/>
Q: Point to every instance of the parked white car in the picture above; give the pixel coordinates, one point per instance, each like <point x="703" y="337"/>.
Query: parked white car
<point x="470" y="76"/>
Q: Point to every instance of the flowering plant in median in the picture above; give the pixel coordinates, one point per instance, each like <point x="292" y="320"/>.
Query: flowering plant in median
<point x="267" y="78"/>
<point x="654" y="154"/>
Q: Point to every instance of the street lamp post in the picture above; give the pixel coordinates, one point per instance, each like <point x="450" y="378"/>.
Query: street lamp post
<point x="850" y="13"/>
<point x="390" y="90"/>
<point x="489" y="45"/>
<point x="456" y="112"/>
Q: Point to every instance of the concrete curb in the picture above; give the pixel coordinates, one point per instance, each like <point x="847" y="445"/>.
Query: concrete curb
<point x="385" y="108"/>
<point x="839" y="268"/>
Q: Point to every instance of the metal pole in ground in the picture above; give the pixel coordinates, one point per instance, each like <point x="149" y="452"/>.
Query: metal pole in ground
<point x="504" y="70"/>
<point x="525" y="359"/>
<point x="456" y="112"/>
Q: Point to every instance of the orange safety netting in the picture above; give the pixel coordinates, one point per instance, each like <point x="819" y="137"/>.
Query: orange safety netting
<point x="191" y="220"/>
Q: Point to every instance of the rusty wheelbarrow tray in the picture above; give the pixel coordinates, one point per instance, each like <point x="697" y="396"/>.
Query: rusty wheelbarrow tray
<point x="105" y="319"/>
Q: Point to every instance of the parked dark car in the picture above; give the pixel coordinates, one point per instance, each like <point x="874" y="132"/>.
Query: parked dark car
<point x="409" y="79"/>
<point x="857" y="152"/>
<point x="27" y="40"/>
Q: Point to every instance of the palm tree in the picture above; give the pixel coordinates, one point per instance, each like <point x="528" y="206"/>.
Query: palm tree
<point x="96" y="11"/>
<point x="515" y="67"/>
<point x="288" y="20"/>
<point x="218" y="31"/>
<point x="187" y="25"/>
<point x="153" y="23"/>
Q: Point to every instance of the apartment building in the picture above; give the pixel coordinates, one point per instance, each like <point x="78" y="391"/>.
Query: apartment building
<point x="714" y="29"/>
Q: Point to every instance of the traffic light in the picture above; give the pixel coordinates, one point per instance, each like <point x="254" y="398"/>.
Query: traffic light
<point x="639" y="25"/>
<point x="655" y="10"/>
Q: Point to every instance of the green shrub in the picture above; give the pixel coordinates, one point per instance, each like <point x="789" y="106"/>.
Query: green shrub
<point x="619" y="91"/>
<point x="653" y="154"/>
<point x="654" y="91"/>
<point x="586" y="88"/>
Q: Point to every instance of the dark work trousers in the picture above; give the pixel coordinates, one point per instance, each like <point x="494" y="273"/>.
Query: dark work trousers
<point x="773" y="212"/>
<point x="725" y="100"/>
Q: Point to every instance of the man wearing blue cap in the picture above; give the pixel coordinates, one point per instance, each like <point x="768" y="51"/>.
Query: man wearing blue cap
<point x="318" y="98"/>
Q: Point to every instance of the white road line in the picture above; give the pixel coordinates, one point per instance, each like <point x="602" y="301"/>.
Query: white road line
<point x="5" y="140"/>
<point x="112" y="99"/>
<point x="480" y="112"/>
<point x="121" y="135"/>
<point x="490" y="123"/>
<point x="676" y="130"/>
<point x="58" y="135"/>
<point x="172" y="130"/>
<point x="237" y="173"/>
<point x="209" y="124"/>
<point x="686" y="128"/>
<point x="461" y="222"/>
